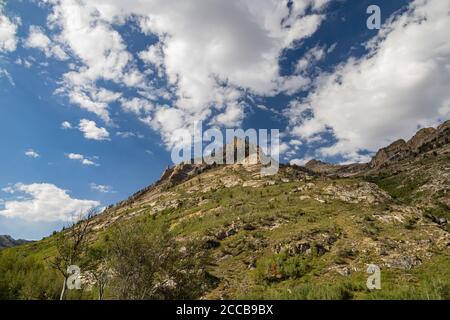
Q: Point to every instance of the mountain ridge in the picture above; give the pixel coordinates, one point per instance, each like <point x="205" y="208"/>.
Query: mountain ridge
<point x="304" y="233"/>
<point x="398" y="150"/>
<point x="7" y="241"/>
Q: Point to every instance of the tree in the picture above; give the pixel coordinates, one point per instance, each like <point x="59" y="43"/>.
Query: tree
<point x="149" y="264"/>
<point x="97" y="265"/>
<point x="71" y="244"/>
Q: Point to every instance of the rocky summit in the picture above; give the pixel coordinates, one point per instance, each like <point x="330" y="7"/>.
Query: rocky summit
<point x="305" y="233"/>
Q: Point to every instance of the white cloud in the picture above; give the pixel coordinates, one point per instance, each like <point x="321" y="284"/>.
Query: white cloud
<point x="101" y="188"/>
<point x="89" y="97"/>
<point x="313" y="55"/>
<point x="66" y="125"/>
<point x="283" y="148"/>
<point x="154" y="55"/>
<point x="91" y="131"/>
<point x="237" y="42"/>
<point x="402" y="83"/>
<point x="213" y="44"/>
<point x="44" y="202"/>
<point x="129" y="134"/>
<point x="81" y="158"/>
<point x="232" y="117"/>
<point x="137" y="106"/>
<point x="8" y="189"/>
<point x="7" y="75"/>
<point x="295" y="142"/>
<point x="293" y="84"/>
<point x="8" y="30"/>
<point x="38" y="40"/>
<point x="87" y="32"/>
<point x="32" y="154"/>
<point x="23" y="62"/>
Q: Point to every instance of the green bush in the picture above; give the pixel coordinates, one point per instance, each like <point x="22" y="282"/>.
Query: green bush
<point x="281" y="267"/>
<point x="26" y="278"/>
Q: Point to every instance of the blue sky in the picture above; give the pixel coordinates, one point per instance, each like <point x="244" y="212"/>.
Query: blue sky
<point x="91" y="92"/>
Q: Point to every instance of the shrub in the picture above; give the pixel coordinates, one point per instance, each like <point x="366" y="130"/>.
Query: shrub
<point x="147" y="264"/>
<point x="280" y="267"/>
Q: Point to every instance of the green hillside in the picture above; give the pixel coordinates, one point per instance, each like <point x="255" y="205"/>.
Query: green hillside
<point x="225" y="232"/>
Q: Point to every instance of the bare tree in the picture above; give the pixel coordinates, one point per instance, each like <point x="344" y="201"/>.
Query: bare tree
<point x="102" y="278"/>
<point x="152" y="264"/>
<point x="71" y="244"/>
<point x="98" y="267"/>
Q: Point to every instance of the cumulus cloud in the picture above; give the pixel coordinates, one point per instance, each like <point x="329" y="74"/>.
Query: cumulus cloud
<point x="32" y="154"/>
<point x="38" y="40"/>
<point x="88" y="33"/>
<point x="311" y="57"/>
<point x="44" y="202"/>
<point x="82" y="159"/>
<point x="66" y="125"/>
<point x="91" y="131"/>
<point x="232" y="117"/>
<point x="154" y="55"/>
<point x="402" y="83"/>
<point x="8" y="30"/>
<point x="101" y="188"/>
<point x="91" y="98"/>
<point x="213" y="45"/>
<point x="8" y="189"/>
<point x="137" y="106"/>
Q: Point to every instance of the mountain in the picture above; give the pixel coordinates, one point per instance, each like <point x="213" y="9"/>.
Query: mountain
<point x="425" y="143"/>
<point x="305" y="233"/>
<point x="7" y="242"/>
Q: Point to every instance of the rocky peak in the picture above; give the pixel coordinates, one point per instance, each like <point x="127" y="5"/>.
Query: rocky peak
<point x="420" y="137"/>
<point x="444" y="126"/>
<point x="320" y="166"/>
<point x="315" y="163"/>
<point x="395" y="150"/>
<point x="240" y="151"/>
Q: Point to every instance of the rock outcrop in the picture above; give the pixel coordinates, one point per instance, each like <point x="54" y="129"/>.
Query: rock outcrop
<point x="424" y="141"/>
<point x="394" y="151"/>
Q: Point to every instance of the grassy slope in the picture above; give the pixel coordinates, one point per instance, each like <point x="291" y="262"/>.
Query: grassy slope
<point x="263" y="217"/>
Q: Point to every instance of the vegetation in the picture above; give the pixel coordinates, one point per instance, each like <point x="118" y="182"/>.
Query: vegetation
<point x="227" y="233"/>
<point x="146" y="265"/>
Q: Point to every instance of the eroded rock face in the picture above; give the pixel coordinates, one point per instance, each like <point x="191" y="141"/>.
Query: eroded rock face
<point x="363" y="192"/>
<point x="444" y="126"/>
<point x="420" y="137"/>
<point x="403" y="262"/>
<point x="396" y="150"/>
<point x="320" y="166"/>
<point x="319" y="243"/>
<point x="424" y="141"/>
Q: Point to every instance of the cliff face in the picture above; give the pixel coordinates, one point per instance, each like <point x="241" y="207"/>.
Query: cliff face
<point x="420" y="138"/>
<point x="425" y="142"/>
<point x="396" y="150"/>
